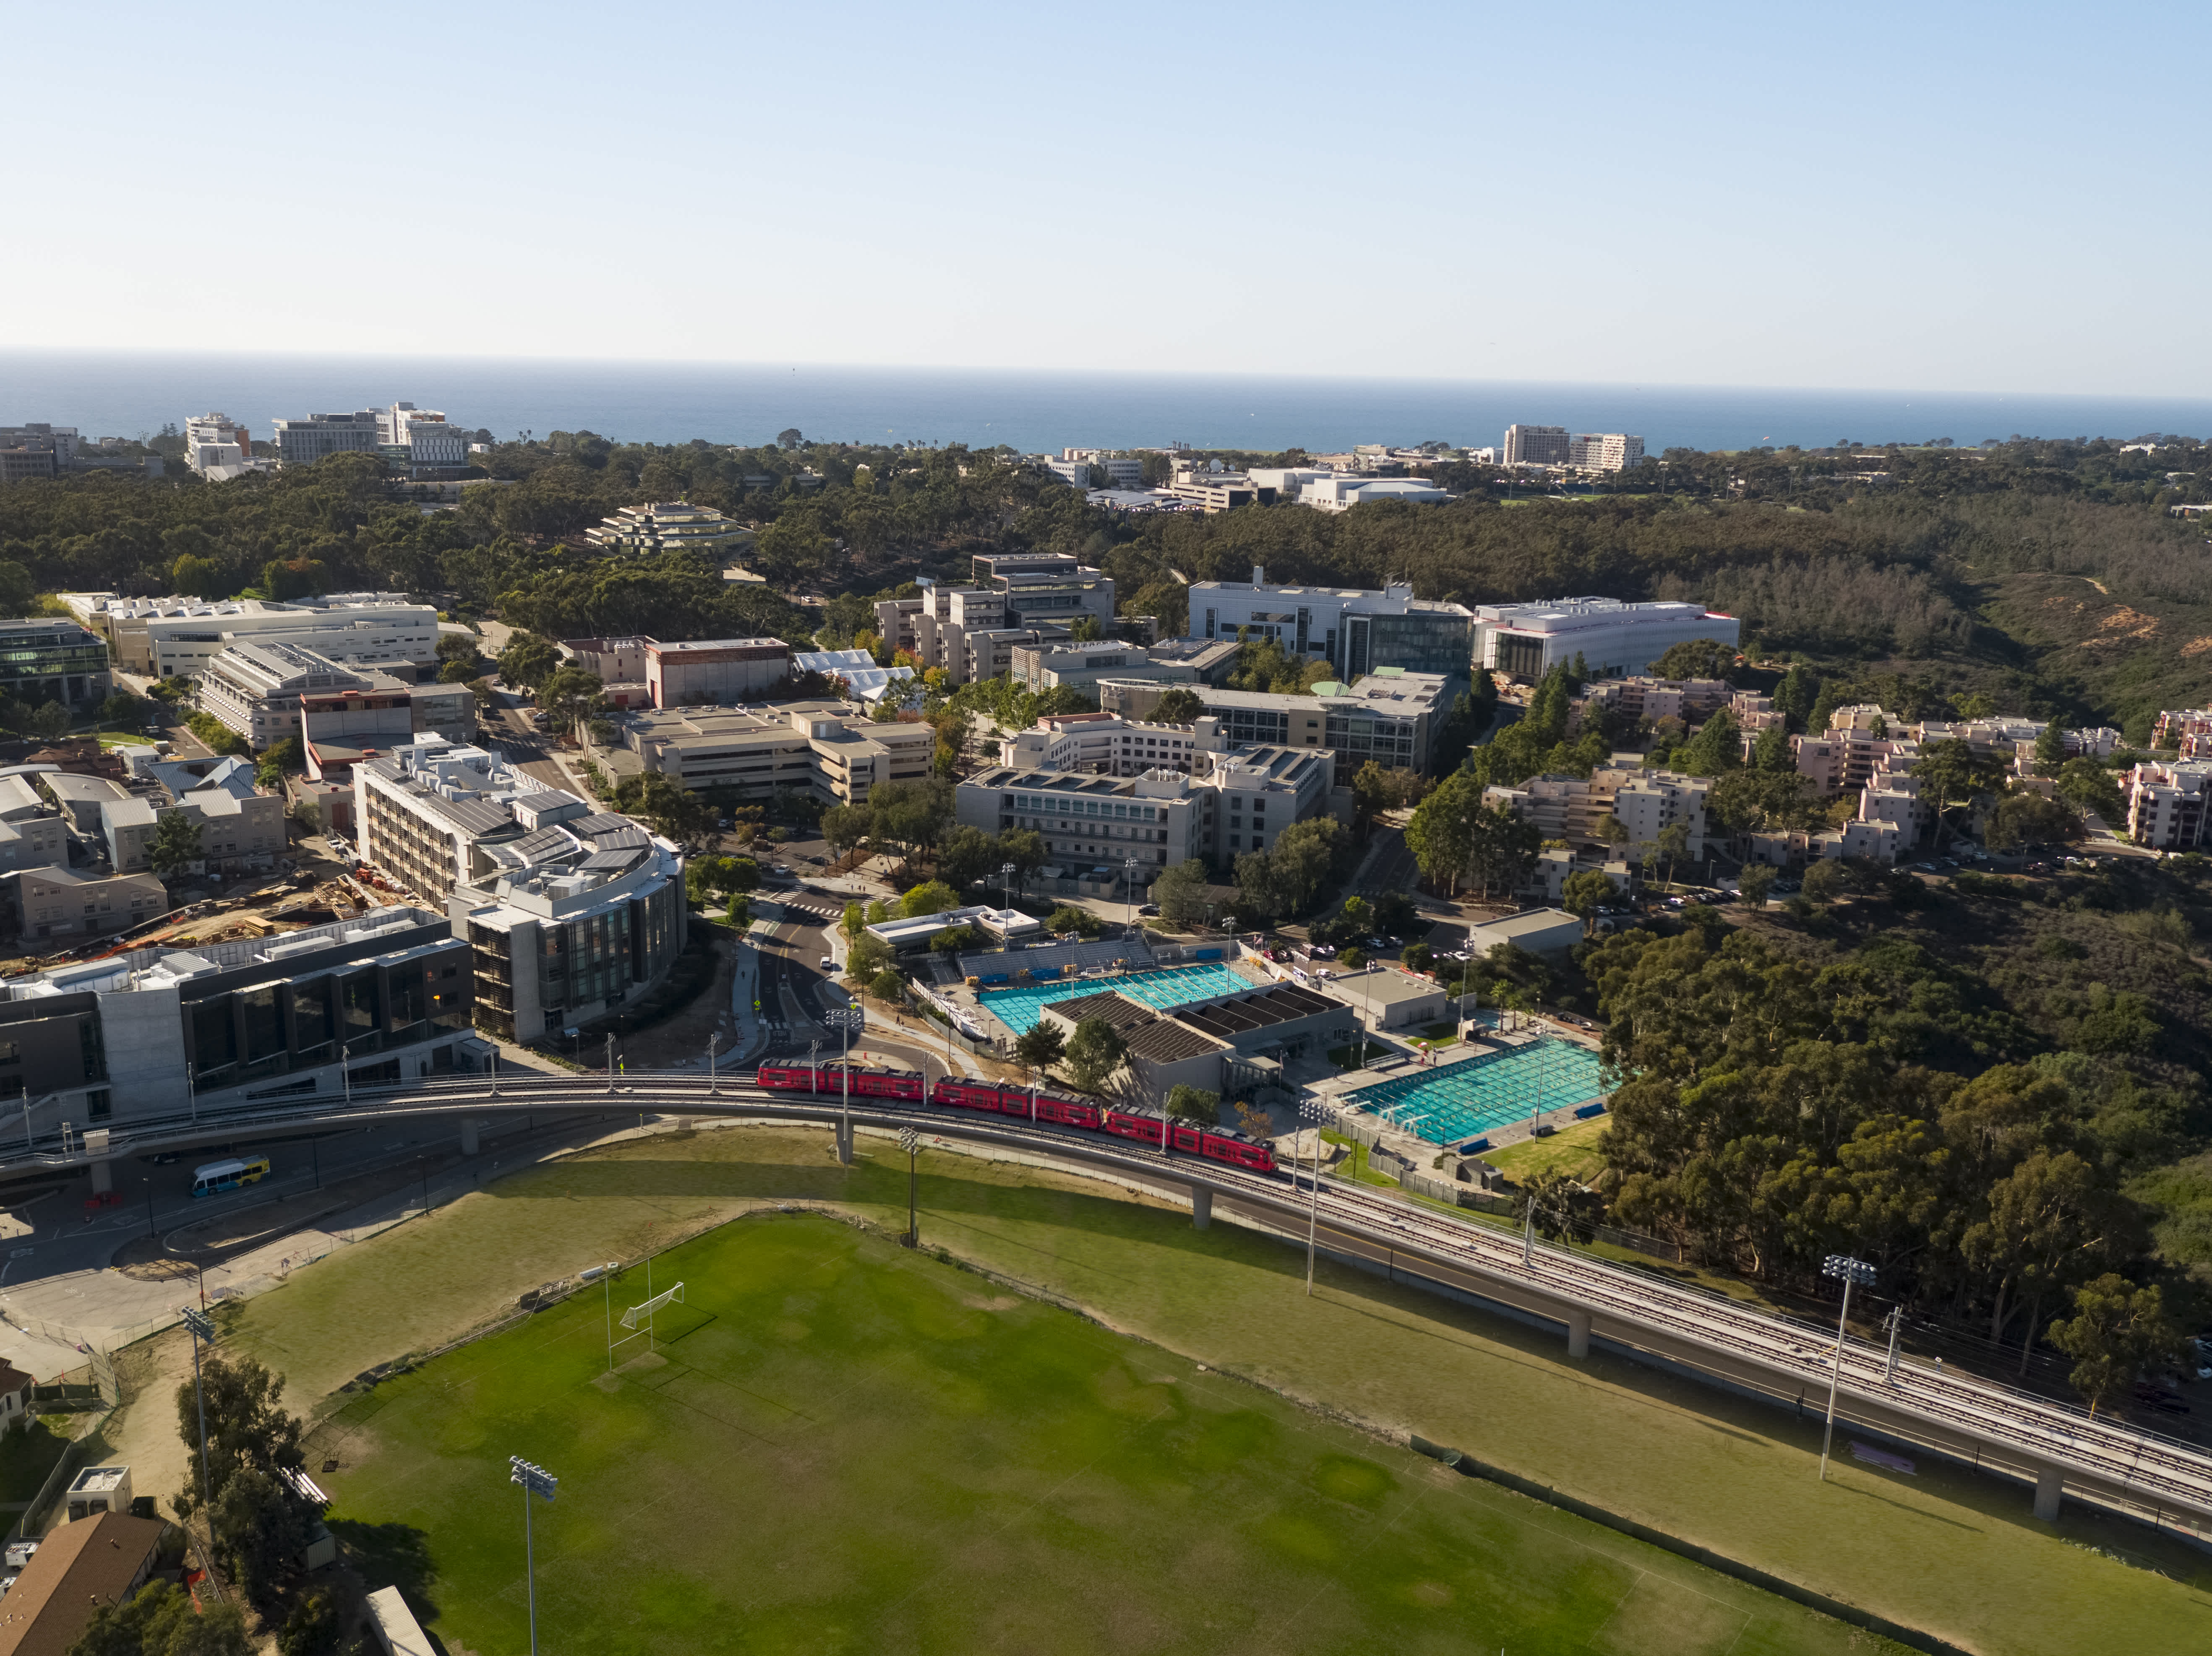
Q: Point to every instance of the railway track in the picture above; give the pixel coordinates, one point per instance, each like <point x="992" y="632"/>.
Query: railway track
<point x="2030" y="1436"/>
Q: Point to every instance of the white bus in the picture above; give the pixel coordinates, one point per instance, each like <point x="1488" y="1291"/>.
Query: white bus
<point x="215" y="1177"/>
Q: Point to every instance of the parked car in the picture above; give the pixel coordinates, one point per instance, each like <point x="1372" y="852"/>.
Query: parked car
<point x="1149" y="908"/>
<point x="1324" y="951"/>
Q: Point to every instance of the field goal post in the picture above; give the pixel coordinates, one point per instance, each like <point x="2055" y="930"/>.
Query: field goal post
<point x="644" y="1314"/>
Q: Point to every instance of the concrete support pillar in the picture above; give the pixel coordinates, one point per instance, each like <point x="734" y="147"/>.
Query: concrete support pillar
<point x="469" y="1143"/>
<point x="2049" y="1485"/>
<point x="1578" y="1332"/>
<point x="1201" y="1208"/>
<point x="103" y="1178"/>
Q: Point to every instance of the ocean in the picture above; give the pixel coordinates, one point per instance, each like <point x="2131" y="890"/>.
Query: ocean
<point x="127" y="393"/>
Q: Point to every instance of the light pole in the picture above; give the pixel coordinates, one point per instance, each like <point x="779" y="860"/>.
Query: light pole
<point x="713" y="1040"/>
<point x="1896" y="1320"/>
<point x="1315" y="1111"/>
<point x="1129" y="888"/>
<point x="610" y="1062"/>
<point x="1853" y="1271"/>
<point x="203" y="1327"/>
<point x="847" y="1020"/>
<point x="1006" y="885"/>
<point x="534" y="1480"/>
<point x="910" y="1142"/>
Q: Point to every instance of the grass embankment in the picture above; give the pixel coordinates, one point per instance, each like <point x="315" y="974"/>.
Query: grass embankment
<point x="1571" y="1150"/>
<point x="843" y="1445"/>
<point x="1955" y="1554"/>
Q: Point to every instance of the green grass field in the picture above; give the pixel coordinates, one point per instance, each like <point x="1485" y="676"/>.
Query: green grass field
<point x="1955" y="1554"/>
<point x="1571" y="1150"/>
<point x="845" y="1446"/>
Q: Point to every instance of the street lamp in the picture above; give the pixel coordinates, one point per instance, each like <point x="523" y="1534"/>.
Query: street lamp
<point x="203" y="1327"/>
<point x="535" y="1481"/>
<point x="1129" y="888"/>
<point x="1315" y="1111"/>
<point x="848" y="1021"/>
<point x="910" y="1142"/>
<point x="1854" y="1272"/>
<point x="713" y="1040"/>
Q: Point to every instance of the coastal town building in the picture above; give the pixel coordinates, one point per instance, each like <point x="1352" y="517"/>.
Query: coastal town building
<point x="1612" y="638"/>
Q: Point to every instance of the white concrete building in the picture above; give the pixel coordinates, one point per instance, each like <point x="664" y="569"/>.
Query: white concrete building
<point x="1604" y="451"/>
<point x="1527" y="640"/>
<point x="219" y="448"/>
<point x="670" y="526"/>
<point x="1535" y="445"/>
<point x="1101" y="744"/>
<point x="423" y="440"/>
<point x="1340" y="493"/>
<point x="2166" y="803"/>
<point x="267" y="691"/>
<point x="175" y="637"/>
<point x="1354" y="630"/>
<point x="1388" y="716"/>
<point x="303" y="442"/>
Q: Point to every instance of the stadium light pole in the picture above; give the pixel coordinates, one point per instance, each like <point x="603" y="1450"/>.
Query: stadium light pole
<point x="1853" y="1271"/>
<point x="1006" y="885"/>
<point x="910" y="1142"/>
<point x="1315" y="1111"/>
<point x="846" y="1020"/>
<point x="535" y="1481"/>
<point x="203" y="1327"/>
<point x="1129" y="889"/>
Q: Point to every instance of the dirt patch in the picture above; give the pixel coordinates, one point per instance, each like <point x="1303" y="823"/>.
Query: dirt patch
<point x="2125" y="623"/>
<point x="2196" y="647"/>
<point x="996" y="1302"/>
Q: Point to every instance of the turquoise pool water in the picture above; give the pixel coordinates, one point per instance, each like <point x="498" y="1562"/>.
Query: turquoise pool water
<point x="1174" y="985"/>
<point x="1463" y="1100"/>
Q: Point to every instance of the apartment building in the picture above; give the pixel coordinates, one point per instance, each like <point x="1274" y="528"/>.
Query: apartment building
<point x="670" y="526"/>
<point x="54" y="660"/>
<point x="1355" y="630"/>
<point x="1389" y="717"/>
<point x="130" y="1037"/>
<point x="1645" y="803"/>
<point x="53" y="902"/>
<point x="303" y="442"/>
<point x="1536" y="446"/>
<point x="1074" y="467"/>
<point x="2165" y="803"/>
<point x="241" y="828"/>
<point x="1101" y="744"/>
<point x="175" y="637"/>
<point x="267" y="692"/>
<point x="578" y="918"/>
<point x="1693" y="701"/>
<point x="1601" y="451"/>
<point x="964" y="630"/>
<point x="823" y="748"/>
<point x="1526" y="641"/>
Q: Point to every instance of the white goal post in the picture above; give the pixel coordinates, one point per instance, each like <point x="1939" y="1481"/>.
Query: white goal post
<point x="669" y="1296"/>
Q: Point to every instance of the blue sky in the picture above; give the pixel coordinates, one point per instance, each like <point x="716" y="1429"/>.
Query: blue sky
<point x="1954" y="198"/>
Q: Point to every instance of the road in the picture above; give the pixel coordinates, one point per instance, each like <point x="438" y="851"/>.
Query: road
<point x="2049" y="1446"/>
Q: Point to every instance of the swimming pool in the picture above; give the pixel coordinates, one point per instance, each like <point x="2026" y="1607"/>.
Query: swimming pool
<point x="1462" y="1100"/>
<point x="1176" y="985"/>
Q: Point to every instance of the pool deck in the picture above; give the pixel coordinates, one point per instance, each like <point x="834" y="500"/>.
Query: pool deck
<point x="1216" y="974"/>
<point x="1337" y="1089"/>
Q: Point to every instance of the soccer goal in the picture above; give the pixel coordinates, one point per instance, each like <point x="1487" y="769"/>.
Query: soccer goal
<point x="639" y="1320"/>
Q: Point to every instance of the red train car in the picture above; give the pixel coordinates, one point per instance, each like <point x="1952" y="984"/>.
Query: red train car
<point x="971" y="1094"/>
<point x="788" y="1077"/>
